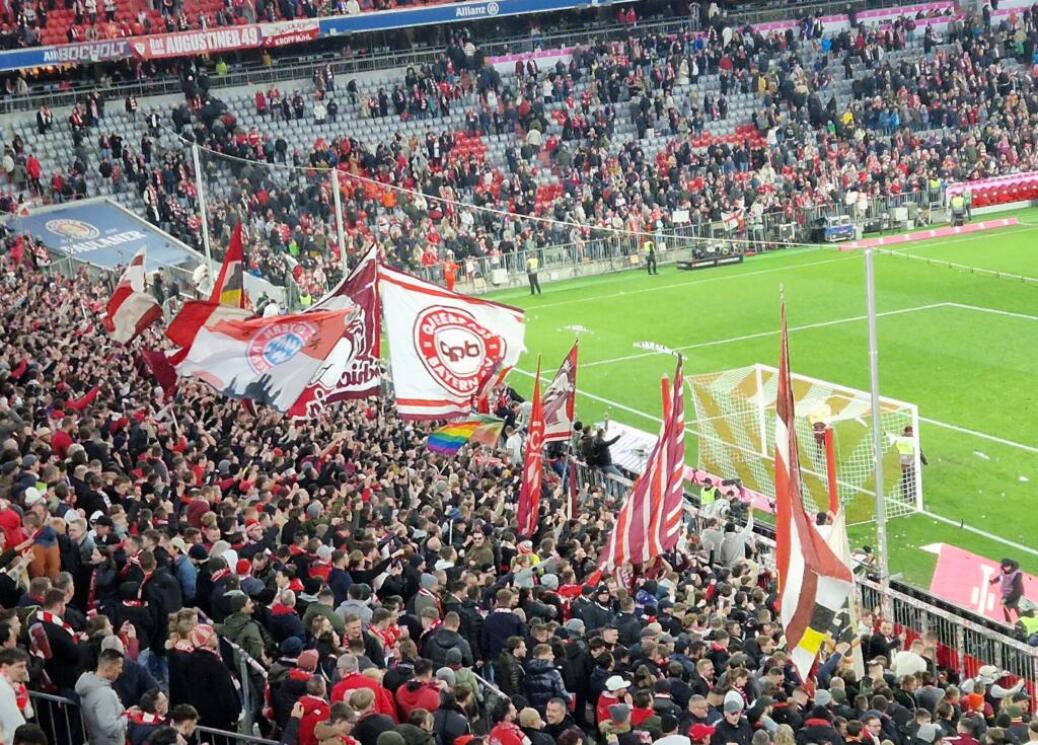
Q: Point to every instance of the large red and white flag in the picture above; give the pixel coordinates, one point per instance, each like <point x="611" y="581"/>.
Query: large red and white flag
<point x="266" y="360"/>
<point x="559" y="401"/>
<point x="353" y="369"/>
<point x="649" y="523"/>
<point x="813" y="582"/>
<point x="529" y="507"/>
<point x="445" y="349"/>
<point x="131" y="308"/>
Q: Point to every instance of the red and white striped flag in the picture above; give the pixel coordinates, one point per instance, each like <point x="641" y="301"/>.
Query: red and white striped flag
<point x="529" y="507"/>
<point x="813" y="582"/>
<point x="649" y="523"/>
<point x="131" y="309"/>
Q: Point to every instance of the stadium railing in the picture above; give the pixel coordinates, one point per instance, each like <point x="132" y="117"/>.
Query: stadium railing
<point x="605" y="252"/>
<point x="964" y="641"/>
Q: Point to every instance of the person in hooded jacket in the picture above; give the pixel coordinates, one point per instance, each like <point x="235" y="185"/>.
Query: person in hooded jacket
<point x="733" y="728"/>
<point x="449" y="721"/>
<point x="818" y="729"/>
<point x="420" y="692"/>
<point x="212" y="691"/>
<point x="446" y="637"/>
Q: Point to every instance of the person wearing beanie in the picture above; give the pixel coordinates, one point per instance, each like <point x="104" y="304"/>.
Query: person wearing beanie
<point x="287" y="680"/>
<point x="211" y="689"/>
<point x="241" y="628"/>
<point x="734" y="727"/>
<point x="391" y="737"/>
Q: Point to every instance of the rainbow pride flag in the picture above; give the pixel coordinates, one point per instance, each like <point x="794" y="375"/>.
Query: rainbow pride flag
<point x="482" y="429"/>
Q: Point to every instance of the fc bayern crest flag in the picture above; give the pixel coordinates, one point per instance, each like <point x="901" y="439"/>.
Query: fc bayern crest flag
<point x="445" y="348"/>
<point x="266" y="360"/>
<point x="558" y="401"/>
<point x="353" y="369"/>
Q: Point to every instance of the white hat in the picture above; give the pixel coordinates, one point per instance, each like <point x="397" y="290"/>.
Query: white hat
<point x="614" y="683"/>
<point x="32" y="496"/>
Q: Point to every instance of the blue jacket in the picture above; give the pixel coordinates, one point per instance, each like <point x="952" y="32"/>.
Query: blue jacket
<point x="543" y="683"/>
<point x="187" y="575"/>
<point x="497" y="627"/>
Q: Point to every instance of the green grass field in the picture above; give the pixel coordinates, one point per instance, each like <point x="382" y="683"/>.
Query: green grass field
<point x="961" y="345"/>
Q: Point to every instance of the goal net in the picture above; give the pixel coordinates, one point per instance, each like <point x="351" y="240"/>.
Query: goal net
<point x="735" y="422"/>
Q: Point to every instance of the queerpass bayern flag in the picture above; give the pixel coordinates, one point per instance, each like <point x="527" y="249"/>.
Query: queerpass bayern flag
<point x="131" y="309"/>
<point x="266" y="360"/>
<point x="558" y="401"/>
<point x="353" y="369"/>
<point x="813" y="582"/>
<point x="529" y="507"/>
<point x="649" y="523"/>
<point x="445" y="348"/>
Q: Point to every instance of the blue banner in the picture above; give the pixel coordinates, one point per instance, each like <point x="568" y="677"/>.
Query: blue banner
<point x="103" y="234"/>
<point x="446" y="13"/>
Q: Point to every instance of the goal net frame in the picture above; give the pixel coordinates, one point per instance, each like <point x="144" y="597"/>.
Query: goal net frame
<point x="738" y="441"/>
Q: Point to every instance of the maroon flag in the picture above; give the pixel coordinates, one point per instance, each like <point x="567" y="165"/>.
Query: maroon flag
<point x="161" y="369"/>
<point x="353" y="370"/>
<point x="649" y="523"/>
<point x="813" y="582"/>
<point x="529" y="507"/>
<point x="558" y="400"/>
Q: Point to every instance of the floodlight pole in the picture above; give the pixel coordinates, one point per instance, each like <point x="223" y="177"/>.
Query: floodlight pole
<point x="339" y="230"/>
<point x="877" y="423"/>
<point x="199" y="187"/>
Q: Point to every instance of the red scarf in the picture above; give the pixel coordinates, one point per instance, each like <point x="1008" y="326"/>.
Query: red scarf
<point x="220" y="574"/>
<point x="48" y="617"/>
<point x="143" y="717"/>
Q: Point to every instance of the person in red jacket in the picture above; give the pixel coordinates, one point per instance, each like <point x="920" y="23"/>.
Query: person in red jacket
<point x="315" y="709"/>
<point x="506" y="731"/>
<point x="420" y="692"/>
<point x="351" y="679"/>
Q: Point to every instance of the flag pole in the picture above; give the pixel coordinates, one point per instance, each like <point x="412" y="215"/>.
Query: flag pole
<point x="202" y="210"/>
<point x="877" y="423"/>
<point x="339" y="231"/>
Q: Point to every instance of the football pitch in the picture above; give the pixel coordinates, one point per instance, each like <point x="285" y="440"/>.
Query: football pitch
<point x="960" y="344"/>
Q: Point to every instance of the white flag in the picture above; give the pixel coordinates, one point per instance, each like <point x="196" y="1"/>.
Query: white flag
<point x="445" y="348"/>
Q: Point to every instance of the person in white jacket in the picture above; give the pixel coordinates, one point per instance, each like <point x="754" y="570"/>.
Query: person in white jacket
<point x="100" y="704"/>
<point x="14" y="669"/>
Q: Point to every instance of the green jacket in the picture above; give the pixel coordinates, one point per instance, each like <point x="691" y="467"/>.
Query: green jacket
<point x="246" y="632"/>
<point x="316" y="609"/>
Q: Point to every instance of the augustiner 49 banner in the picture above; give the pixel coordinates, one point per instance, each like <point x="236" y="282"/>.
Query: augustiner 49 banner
<point x="446" y="349"/>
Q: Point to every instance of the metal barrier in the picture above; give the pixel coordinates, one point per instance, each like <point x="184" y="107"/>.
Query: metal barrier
<point x="62" y="721"/>
<point x="963" y="641"/>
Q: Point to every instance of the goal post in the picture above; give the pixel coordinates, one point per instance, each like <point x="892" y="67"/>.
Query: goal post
<point x="735" y="427"/>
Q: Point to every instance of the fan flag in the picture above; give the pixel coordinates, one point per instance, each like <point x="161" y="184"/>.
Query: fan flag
<point x="482" y="430"/>
<point x="559" y="401"/>
<point x="445" y="349"/>
<point x="353" y="369"/>
<point x="529" y="507"/>
<point x="266" y="360"/>
<point x="230" y="283"/>
<point x="161" y="369"/>
<point x="649" y="523"/>
<point x="813" y="582"/>
<point x="131" y="309"/>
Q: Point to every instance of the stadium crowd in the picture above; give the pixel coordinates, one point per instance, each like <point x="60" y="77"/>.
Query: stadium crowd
<point x="924" y="109"/>
<point x="380" y="588"/>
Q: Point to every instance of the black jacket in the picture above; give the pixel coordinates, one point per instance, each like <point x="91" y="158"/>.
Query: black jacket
<point x="818" y="732"/>
<point x="212" y="691"/>
<point x="497" y="627"/>
<point x="448" y="725"/>
<point x="367" y="729"/>
<point x="740" y="734"/>
<point x="508" y="674"/>
<point x="543" y="683"/>
<point x="440" y="641"/>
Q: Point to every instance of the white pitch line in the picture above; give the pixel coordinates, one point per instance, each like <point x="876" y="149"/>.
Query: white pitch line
<point x="996" y="311"/>
<point x="765" y="334"/>
<point x="980" y="435"/>
<point x="978" y="531"/>
<point x="677" y="285"/>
